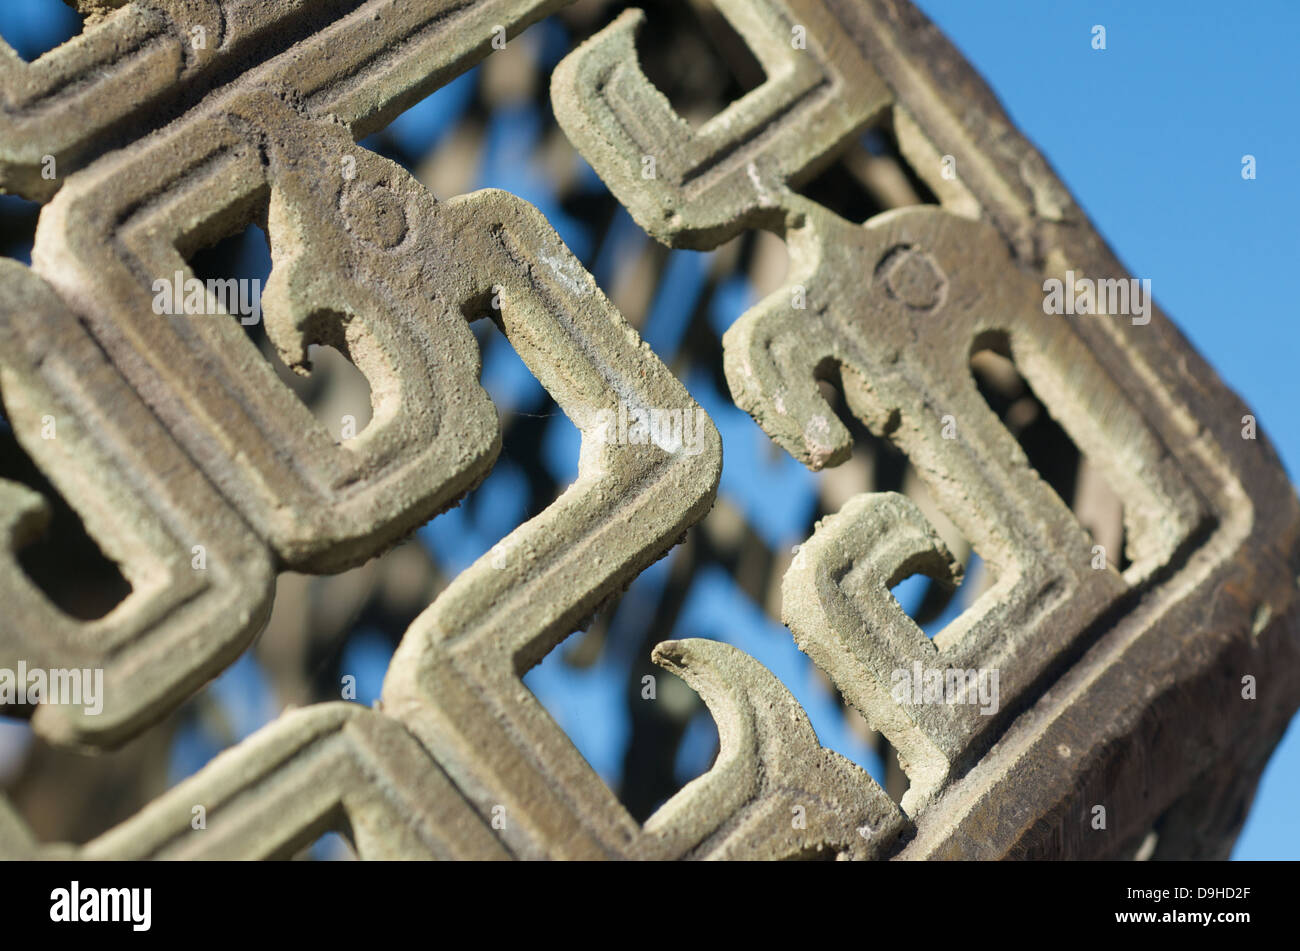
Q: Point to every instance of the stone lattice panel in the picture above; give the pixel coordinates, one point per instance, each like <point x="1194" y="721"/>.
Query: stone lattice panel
<point x="894" y="308"/>
<point x="174" y="124"/>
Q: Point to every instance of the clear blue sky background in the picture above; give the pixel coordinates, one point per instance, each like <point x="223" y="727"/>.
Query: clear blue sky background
<point x="1149" y="135"/>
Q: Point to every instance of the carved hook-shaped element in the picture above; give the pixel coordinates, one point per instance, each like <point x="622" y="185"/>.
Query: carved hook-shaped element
<point x="455" y="678"/>
<point x="773" y="356"/>
<point x="774" y="790"/>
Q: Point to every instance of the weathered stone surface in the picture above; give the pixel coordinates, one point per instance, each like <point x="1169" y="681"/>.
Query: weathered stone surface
<point x="1102" y="674"/>
<point x="145" y="501"/>
<point x="1117" y="688"/>
<point x="329" y="766"/>
<point x="367" y="260"/>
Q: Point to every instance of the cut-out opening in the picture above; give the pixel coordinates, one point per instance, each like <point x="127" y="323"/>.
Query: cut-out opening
<point x="538" y="459"/>
<point x="876" y="465"/>
<point x="63" y="795"/>
<point x="335" y="391"/>
<point x="641" y="728"/>
<point x="18" y="218"/>
<point x="924" y="595"/>
<point x="695" y="57"/>
<point x="533" y="425"/>
<point x="65" y="562"/>
<point x="672" y="744"/>
<point x="698" y="749"/>
<point x="330" y="847"/>
<point x="325" y="628"/>
<point x="761" y="257"/>
<point x="868" y="176"/>
<point x="897" y="782"/>
<point x="34" y="27"/>
<point x="1080" y="485"/>
<point x="16" y="738"/>
<point x="680" y="733"/>
<point x="344" y="405"/>
<point x="922" y="598"/>
<point x="363" y="659"/>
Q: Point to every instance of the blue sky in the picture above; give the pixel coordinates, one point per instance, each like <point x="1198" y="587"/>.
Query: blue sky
<point x="1149" y="135"/>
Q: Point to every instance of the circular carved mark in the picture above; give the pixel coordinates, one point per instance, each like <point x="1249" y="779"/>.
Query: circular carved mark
<point x="374" y="213"/>
<point x="912" y="277"/>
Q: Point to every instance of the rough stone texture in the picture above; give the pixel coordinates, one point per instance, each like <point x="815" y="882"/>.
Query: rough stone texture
<point x="1121" y="690"/>
<point x="367" y="260"/>
<point x="136" y="492"/>
<point x="1117" y="689"/>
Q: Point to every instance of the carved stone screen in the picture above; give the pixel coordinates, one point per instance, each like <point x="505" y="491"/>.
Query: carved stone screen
<point x="285" y="394"/>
